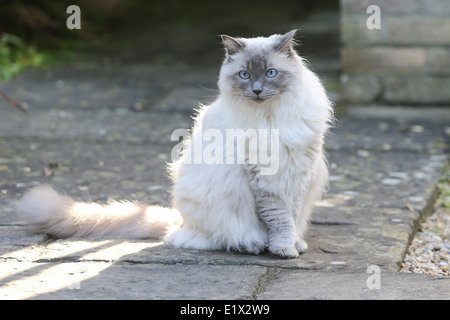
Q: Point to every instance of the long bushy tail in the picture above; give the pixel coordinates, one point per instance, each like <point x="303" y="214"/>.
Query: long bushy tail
<point x="49" y="212"/>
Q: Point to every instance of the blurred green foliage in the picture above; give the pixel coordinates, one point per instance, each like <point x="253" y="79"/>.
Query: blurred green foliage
<point x="15" y="56"/>
<point x="43" y="22"/>
<point x="34" y="32"/>
<point x="444" y="188"/>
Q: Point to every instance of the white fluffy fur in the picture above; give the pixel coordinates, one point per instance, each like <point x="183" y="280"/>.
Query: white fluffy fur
<point x="50" y="212"/>
<point x="216" y="202"/>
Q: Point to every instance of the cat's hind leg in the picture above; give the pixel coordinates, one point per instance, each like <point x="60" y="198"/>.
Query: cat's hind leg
<point x="301" y="245"/>
<point x="189" y="238"/>
<point x="316" y="189"/>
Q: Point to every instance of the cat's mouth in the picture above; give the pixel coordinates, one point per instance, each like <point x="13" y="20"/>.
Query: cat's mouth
<point x="259" y="99"/>
<point x="262" y="97"/>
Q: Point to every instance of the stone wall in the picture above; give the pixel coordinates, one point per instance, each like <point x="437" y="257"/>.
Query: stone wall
<point x="404" y="62"/>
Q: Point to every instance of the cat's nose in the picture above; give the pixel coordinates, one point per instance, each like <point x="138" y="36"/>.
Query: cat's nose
<point x="257" y="91"/>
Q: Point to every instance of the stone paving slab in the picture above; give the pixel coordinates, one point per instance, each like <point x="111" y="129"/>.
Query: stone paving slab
<point x="106" y="125"/>
<point x="103" y="280"/>
<point x="88" y="85"/>
<point x="300" y="285"/>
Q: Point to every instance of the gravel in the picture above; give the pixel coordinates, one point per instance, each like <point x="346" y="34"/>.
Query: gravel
<point x="429" y="251"/>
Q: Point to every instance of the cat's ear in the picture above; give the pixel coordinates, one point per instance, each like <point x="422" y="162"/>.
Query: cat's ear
<point x="231" y="44"/>
<point x="286" y="43"/>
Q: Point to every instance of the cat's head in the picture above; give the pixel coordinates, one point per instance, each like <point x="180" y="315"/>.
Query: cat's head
<point x="259" y="68"/>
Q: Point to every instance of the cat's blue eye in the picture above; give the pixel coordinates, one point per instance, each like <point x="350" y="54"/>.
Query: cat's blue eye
<point x="271" y="73"/>
<point x="244" y="74"/>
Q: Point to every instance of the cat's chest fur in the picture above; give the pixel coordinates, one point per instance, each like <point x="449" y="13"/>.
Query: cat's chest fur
<point x="282" y="123"/>
<point x="294" y="132"/>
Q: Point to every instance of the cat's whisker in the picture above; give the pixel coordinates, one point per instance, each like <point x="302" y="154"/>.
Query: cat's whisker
<point x="209" y="97"/>
<point x="208" y="89"/>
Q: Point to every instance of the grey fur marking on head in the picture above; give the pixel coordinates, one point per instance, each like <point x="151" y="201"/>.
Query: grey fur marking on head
<point x="235" y="45"/>
<point x="287" y="43"/>
<point x="257" y="58"/>
<point x="231" y="44"/>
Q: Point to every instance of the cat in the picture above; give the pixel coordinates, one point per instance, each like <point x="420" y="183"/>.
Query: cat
<point x="263" y="85"/>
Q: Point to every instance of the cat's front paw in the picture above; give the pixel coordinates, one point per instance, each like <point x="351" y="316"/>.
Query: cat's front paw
<point x="301" y="245"/>
<point x="284" y="253"/>
<point x="254" y="248"/>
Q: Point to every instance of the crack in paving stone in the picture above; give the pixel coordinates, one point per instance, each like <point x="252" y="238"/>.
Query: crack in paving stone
<point x="263" y="282"/>
<point x="332" y="223"/>
<point x="328" y="251"/>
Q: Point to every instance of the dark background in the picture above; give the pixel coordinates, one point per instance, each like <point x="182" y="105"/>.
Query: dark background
<point x="164" y="31"/>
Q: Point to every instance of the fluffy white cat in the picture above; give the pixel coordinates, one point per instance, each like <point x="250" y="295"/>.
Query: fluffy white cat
<point x="264" y="85"/>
